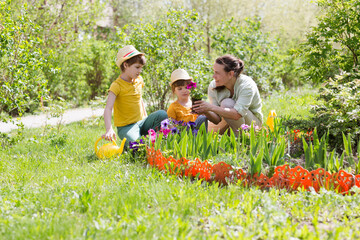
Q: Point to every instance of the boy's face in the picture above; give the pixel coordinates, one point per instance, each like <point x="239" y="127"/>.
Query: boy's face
<point x="134" y="70"/>
<point x="182" y="92"/>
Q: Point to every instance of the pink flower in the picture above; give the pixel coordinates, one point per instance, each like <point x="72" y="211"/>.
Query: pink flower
<point x="152" y="135"/>
<point x="191" y="85"/>
<point x="245" y="127"/>
<point x="165" y="131"/>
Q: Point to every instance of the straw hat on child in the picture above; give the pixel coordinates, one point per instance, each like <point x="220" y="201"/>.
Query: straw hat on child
<point x="179" y="74"/>
<point x="126" y="53"/>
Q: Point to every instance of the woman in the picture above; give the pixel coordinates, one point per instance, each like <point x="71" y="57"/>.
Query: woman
<point x="233" y="96"/>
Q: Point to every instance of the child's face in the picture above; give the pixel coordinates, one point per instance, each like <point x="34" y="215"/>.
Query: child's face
<point x="182" y="92"/>
<point x="134" y="70"/>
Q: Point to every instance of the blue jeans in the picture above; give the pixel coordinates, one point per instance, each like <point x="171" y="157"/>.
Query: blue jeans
<point x="200" y="120"/>
<point x="134" y="131"/>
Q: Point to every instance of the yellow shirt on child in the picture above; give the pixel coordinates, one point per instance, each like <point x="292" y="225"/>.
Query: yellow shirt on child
<point x="128" y="106"/>
<point x="181" y="113"/>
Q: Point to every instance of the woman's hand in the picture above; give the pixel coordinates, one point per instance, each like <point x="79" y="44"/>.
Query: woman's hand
<point x="201" y="107"/>
<point x="109" y="135"/>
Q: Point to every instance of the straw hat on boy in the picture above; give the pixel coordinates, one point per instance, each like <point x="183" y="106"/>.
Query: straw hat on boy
<point x="179" y="74"/>
<point x="126" y="53"/>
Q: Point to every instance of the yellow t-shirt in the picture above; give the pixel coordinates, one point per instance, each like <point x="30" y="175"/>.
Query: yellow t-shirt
<point x="128" y="107"/>
<point x="181" y="113"/>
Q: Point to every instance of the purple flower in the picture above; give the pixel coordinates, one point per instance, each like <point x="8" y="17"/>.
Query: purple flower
<point x="190" y="124"/>
<point x="245" y="127"/>
<point x="195" y="131"/>
<point x="191" y="85"/>
<point x="174" y="130"/>
<point x="134" y="146"/>
<point x="165" y="124"/>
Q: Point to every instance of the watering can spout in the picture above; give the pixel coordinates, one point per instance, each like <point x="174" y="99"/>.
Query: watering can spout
<point x="121" y="149"/>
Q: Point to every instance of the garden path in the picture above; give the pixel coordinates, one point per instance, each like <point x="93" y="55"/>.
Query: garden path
<point x="35" y="121"/>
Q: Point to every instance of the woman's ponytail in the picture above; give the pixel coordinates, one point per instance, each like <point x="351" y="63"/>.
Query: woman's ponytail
<point x="231" y="63"/>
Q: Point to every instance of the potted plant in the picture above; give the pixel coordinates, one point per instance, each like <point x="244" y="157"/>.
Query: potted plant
<point x="196" y="92"/>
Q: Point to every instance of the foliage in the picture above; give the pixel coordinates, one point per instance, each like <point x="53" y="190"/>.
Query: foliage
<point x="196" y="92"/>
<point x="169" y="43"/>
<point x="246" y="41"/>
<point x="82" y="71"/>
<point x="340" y="111"/>
<point x="336" y="111"/>
<point x="334" y="45"/>
<point x="21" y="62"/>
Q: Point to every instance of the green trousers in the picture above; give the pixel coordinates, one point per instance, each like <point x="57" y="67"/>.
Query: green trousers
<point x="134" y="131"/>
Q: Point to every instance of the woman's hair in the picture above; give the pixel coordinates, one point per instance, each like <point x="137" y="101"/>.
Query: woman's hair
<point x="231" y="63"/>
<point x="137" y="59"/>
<point x="179" y="83"/>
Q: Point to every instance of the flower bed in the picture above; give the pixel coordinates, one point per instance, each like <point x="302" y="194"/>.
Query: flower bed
<point x="284" y="177"/>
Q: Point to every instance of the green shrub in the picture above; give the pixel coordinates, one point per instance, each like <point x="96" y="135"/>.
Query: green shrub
<point x="338" y="111"/>
<point x="82" y="71"/>
<point x="21" y="62"/>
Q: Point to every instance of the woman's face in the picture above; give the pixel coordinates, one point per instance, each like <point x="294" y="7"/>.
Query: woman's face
<point x="221" y="77"/>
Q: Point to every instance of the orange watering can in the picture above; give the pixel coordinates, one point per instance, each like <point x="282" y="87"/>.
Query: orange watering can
<point x="109" y="150"/>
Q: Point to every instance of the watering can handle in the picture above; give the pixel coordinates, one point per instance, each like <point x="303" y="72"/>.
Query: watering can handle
<point x="96" y="149"/>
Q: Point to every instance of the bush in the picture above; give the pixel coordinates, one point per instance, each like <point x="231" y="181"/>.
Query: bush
<point x="21" y="63"/>
<point x="339" y="111"/>
<point x="82" y="71"/>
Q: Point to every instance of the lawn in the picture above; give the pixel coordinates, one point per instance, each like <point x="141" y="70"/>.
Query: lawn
<point x="52" y="186"/>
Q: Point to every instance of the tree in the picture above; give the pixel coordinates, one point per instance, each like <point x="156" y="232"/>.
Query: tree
<point x="334" y="45"/>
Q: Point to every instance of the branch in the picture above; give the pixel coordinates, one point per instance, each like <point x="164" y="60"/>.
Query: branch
<point x="57" y="18"/>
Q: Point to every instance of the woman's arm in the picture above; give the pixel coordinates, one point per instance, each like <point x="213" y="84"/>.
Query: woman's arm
<point x="214" y="113"/>
<point x="110" y="134"/>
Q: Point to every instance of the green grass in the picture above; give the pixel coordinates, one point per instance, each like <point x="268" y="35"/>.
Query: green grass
<point x="52" y="186"/>
<point x="296" y="103"/>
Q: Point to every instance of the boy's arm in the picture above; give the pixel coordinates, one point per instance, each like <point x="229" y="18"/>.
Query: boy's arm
<point x="143" y="106"/>
<point x="110" y="134"/>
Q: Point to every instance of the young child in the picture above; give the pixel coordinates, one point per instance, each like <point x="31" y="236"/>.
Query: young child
<point x="180" y="110"/>
<point x="125" y="96"/>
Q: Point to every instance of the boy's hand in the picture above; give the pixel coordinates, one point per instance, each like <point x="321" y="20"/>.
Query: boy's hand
<point x="109" y="135"/>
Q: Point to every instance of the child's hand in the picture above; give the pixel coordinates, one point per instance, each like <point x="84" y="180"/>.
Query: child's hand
<point x="109" y="135"/>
